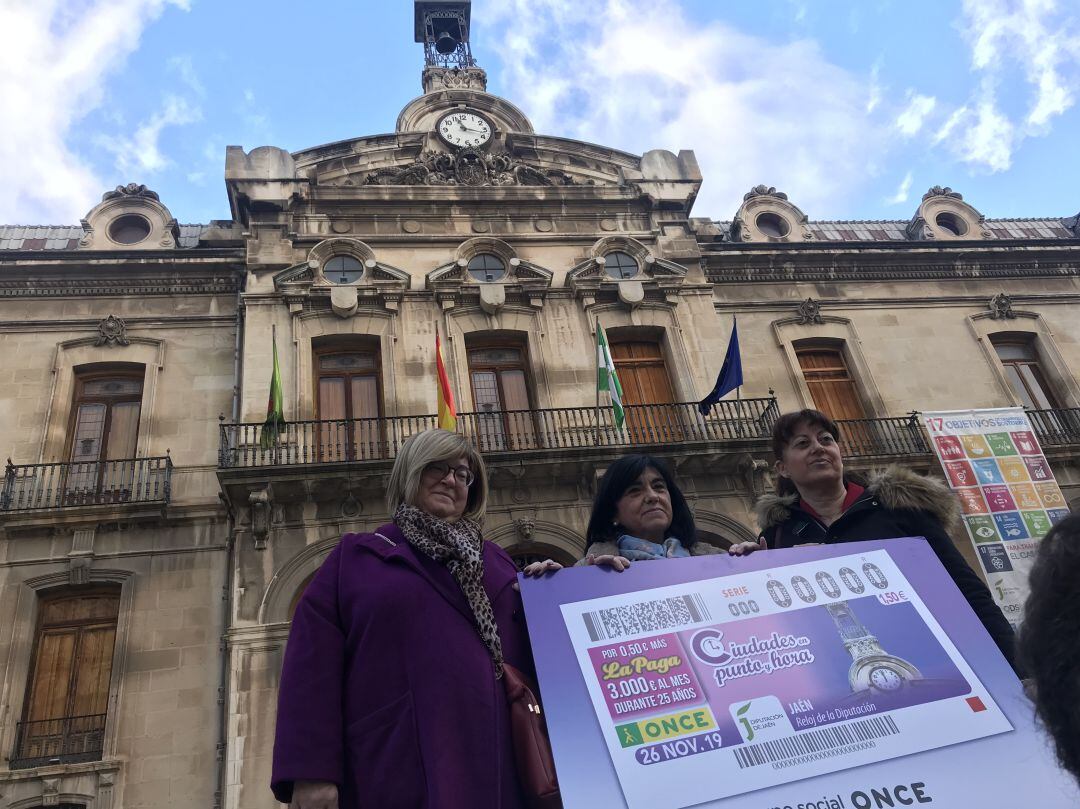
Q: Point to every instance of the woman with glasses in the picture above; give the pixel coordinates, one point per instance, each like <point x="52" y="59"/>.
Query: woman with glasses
<point x="391" y="692"/>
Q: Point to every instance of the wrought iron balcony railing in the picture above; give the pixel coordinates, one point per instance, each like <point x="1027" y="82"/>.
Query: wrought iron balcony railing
<point x="66" y="740"/>
<point x="899" y="435"/>
<point x="338" y="441"/>
<point x="1056" y="428"/>
<point x="36" y="487"/>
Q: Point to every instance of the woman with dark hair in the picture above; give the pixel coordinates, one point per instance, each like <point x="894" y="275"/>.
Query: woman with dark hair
<point x="639" y="513"/>
<point x="1050" y="639"/>
<point x="817" y="503"/>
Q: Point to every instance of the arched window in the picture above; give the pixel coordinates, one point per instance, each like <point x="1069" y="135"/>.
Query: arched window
<point x="647" y="392"/>
<point x="104" y="432"/>
<point x="67" y="695"/>
<point x="349" y="400"/>
<point x="829" y="380"/>
<point x="499" y="376"/>
<point x="1020" y="360"/>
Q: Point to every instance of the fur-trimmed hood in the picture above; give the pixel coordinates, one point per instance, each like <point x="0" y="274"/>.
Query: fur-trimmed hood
<point x="896" y="487"/>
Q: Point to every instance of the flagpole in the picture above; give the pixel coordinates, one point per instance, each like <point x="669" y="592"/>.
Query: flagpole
<point x="597" y="359"/>
<point x="738" y="390"/>
<point x="273" y="345"/>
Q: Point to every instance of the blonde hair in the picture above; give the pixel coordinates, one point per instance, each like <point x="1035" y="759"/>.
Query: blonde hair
<point x="433" y="446"/>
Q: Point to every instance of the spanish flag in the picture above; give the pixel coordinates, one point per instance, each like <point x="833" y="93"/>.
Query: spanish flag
<point x="447" y="412"/>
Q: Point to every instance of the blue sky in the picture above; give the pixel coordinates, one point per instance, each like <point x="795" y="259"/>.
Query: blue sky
<point x="852" y="108"/>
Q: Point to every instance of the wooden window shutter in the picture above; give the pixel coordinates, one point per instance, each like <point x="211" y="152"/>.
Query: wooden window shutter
<point x="831" y="385"/>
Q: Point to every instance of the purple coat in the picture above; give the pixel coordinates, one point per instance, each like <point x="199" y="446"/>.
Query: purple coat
<point x="387" y="689"/>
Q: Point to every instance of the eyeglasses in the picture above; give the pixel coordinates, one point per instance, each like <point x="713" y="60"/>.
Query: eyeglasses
<point x="462" y="474"/>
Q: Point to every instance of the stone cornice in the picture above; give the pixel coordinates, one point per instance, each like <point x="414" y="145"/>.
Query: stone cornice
<point x="62" y="285"/>
<point x="960" y="265"/>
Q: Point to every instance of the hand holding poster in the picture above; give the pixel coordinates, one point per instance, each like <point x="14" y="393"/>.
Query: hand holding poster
<point x="820" y="677"/>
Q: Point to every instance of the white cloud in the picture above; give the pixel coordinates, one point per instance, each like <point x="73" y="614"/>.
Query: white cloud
<point x="911" y="118"/>
<point x="141" y="154"/>
<point x="638" y="75"/>
<point x="1042" y="39"/>
<point x="875" y="91"/>
<point x="55" y="58"/>
<point x="185" y="67"/>
<point x="902" y="192"/>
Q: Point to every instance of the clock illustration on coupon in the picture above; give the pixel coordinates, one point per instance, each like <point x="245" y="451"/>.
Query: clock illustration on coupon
<point x="885" y="679"/>
<point x="463" y="128"/>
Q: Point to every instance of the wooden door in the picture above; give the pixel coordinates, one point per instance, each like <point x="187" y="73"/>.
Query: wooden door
<point x="647" y="394"/>
<point x="68" y="693"/>
<point x="501" y="397"/>
<point x="348" y="406"/>
<point x="104" y="435"/>
<point x="830" y="383"/>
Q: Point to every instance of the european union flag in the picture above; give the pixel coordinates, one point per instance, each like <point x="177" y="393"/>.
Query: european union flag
<point x="730" y="373"/>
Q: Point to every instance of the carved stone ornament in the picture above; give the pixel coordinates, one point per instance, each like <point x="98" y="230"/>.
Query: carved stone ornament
<point x="448" y="78"/>
<point x="469" y="167"/>
<point x="259" y="503"/>
<point x="938" y="191"/>
<point x="763" y="191"/>
<point x="525" y="526"/>
<point x="809" y="311"/>
<point x="130" y="190"/>
<point x="1001" y="307"/>
<point x="112" y="331"/>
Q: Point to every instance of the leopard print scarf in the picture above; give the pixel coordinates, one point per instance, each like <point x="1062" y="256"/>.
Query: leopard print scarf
<point x="458" y="546"/>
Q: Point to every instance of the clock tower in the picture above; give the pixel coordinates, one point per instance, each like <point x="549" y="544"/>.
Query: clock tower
<point x="443" y="27"/>
<point x="872" y="668"/>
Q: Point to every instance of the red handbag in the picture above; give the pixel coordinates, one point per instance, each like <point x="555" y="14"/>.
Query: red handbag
<point x="532" y="749"/>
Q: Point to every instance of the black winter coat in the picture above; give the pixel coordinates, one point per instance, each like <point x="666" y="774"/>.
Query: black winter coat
<point x="896" y="503"/>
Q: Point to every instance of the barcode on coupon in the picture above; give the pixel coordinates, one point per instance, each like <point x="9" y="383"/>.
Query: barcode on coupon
<point x="646" y="616"/>
<point x="815" y="742"/>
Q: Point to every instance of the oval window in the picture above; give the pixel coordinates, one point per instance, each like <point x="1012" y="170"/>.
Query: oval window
<point x="951" y="223"/>
<point x="343" y="270"/>
<point x="772" y="225"/>
<point x="620" y="265"/>
<point x="129" y="229"/>
<point x="487" y="267"/>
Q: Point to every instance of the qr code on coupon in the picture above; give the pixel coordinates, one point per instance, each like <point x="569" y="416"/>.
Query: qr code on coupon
<point x="646" y="616"/>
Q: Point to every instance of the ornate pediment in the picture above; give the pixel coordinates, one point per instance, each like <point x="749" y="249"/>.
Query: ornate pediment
<point x="607" y="270"/>
<point x="470" y="167"/>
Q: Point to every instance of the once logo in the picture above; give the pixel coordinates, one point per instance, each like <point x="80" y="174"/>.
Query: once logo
<point x="708" y="647"/>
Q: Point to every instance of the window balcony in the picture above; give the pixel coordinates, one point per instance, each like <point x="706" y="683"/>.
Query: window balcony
<point x="52" y="486"/>
<point x="302" y="443"/>
<point x="66" y="740"/>
<point x="1059" y="427"/>
<point x="892" y="437"/>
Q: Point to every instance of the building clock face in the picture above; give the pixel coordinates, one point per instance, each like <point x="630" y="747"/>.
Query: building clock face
<point x="463" y="128"/>
<point x="885" y="679"/>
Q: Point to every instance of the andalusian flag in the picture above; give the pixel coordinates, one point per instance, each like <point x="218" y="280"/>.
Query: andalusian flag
<point x="275" y="411"/>
<point x="606" y="378"/>
<point x="447" y="412"/>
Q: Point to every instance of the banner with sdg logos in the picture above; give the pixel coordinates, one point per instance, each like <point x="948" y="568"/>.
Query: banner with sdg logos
<point x="1008" y="494"/>
<point x="843" y="676"/>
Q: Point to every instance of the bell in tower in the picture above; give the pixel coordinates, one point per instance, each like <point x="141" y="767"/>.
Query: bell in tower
<point x="443" y="27"/>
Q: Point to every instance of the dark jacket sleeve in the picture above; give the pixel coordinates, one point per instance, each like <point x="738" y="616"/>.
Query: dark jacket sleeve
<point x="920" y="523"/>
<point x="309" y="738"/>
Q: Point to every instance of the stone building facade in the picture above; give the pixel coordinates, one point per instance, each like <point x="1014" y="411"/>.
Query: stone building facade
<point x="154" y="544"/>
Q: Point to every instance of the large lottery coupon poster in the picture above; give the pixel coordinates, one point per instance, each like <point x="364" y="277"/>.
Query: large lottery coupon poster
<point x="829" y="677"/>
<point x="1008" y="494"/>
